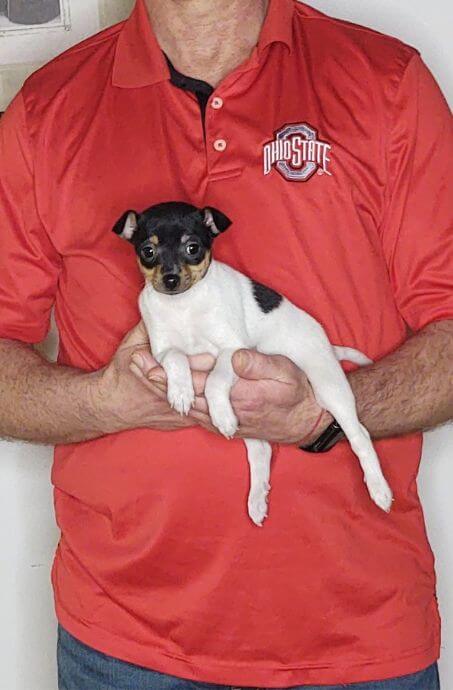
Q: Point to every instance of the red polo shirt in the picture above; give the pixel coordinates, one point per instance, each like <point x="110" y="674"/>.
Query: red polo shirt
<point x="330" y="148"/>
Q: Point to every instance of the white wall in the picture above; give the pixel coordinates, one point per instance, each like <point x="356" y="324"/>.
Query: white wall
<point x="27" y="531"/>
<point x="28" y="536"/>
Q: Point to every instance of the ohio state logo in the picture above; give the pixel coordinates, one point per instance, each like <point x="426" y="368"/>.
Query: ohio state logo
<point x="297" y="153"/>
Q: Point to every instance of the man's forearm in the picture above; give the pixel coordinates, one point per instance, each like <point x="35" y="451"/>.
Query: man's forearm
<point x="43" y="402"/>
<point x="410" y="389"/>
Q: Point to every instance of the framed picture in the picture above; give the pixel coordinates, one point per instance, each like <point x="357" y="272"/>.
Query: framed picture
<point x="23" y="16"/>
<point x="32" y="32"/>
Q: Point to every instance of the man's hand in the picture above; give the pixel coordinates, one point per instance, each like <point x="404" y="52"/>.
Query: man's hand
<point x="127" y="398"/>
<point x="273" y="399"/>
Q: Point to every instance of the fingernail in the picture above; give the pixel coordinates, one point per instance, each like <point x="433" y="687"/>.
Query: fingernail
<point x="138" y="360"/>
<point x="135" y="370"/>
<point x="156" y="376"/>
<point x="242" y="358"/>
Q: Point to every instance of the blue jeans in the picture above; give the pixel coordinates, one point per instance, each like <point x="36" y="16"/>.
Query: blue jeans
<point x="83" y="668"/>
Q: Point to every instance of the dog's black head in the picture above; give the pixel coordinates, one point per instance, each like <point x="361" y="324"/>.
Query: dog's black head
<point x="172" y="242"/>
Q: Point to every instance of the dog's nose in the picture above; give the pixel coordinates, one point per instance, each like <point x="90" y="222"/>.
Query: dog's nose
<point x="171" y="281"/>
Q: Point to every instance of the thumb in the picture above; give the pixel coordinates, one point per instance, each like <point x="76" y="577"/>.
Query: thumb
<point x="253" y="365"/>
<point x="144" y="360"/>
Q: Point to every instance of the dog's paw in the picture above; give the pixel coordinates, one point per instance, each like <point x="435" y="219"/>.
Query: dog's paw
<point x="380" y="492"/>
<point x="181" y="395"/>
<point x="257" y="504"/>
<point x="223" y="418"/>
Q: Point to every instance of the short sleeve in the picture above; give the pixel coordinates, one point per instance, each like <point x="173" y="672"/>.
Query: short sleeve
<point x="417" y="231"/>
<point x="29" y="264"/>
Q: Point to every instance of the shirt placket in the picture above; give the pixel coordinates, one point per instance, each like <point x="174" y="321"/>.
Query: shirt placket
<point x="217" y="121"/>
<point x="223" y="160"/>
<point x="218" y="133"/>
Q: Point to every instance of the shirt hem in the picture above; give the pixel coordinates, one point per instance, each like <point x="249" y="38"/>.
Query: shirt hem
<point x="224" y="674"/>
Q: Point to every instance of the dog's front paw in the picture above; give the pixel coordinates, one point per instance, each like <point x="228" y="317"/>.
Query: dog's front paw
<point x="181" y="395"/>
<point x="223" y="417"/>
<point x="380" y="492"/>
<point x="257" y="504"/>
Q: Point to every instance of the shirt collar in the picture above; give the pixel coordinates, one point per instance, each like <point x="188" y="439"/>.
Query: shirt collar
<point x="278" y="25"/>
<point x="139" y="60"/>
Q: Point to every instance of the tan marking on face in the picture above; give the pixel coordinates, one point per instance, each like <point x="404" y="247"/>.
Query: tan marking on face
<point x="199" y="271"/>
<point x="154" y="239"/>
<point x="149" y="273"/>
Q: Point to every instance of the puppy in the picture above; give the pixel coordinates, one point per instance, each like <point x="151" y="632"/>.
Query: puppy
<point x="192" y="304"/>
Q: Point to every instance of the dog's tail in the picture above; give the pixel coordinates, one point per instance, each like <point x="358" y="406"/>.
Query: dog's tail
<point x="351" y="355"/>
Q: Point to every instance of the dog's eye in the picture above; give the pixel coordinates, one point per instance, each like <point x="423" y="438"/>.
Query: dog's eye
<point x="192" y="248"/>
<point x="148" y="252"/>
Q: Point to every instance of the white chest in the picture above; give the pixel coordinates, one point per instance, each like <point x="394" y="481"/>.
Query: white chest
<point x="196" y="325"/>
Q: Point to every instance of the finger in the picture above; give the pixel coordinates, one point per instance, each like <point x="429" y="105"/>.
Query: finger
<point x="137" y="372"/>
<point x="143" y="359"/>
<point x="253" y="365"/>
<point x="158" y="389"/>
<point x="199" y="382"/>
<point x="198" y="363"/>
<point x="200" y="405"/>
<point x="203" y="420"/>
<point x="204" y="362"/>
<point x="157" y="376"/>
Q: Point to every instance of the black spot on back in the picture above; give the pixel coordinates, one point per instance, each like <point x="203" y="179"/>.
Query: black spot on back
<point x="266" y="298"/>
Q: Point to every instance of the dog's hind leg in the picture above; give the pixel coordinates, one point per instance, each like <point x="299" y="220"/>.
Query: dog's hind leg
<point x="217" y="392"/>
<point x="333" y="392"/>
<point x="259" y="455"/>
<point x="313" y="353"/>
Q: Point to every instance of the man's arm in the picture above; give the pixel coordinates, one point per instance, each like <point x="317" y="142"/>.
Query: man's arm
<point x="48" y="403"/>
<point x="410" y="389"/>
<point x="43" y="402"/>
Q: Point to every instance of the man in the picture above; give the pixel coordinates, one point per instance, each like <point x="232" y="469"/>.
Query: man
<point x="329" y="146"/>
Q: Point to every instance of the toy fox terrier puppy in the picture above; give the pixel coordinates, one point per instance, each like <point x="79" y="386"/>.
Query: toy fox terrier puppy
<point x="192" y="304"/>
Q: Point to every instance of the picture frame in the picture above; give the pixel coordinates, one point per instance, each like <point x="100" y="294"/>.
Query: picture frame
<point x="32" y="32"/>
<point x="29" y="19"/>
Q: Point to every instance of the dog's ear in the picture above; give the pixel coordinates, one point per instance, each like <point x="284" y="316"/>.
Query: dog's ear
<point x="126" y="225"/>
<point x="216" y="221"/>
